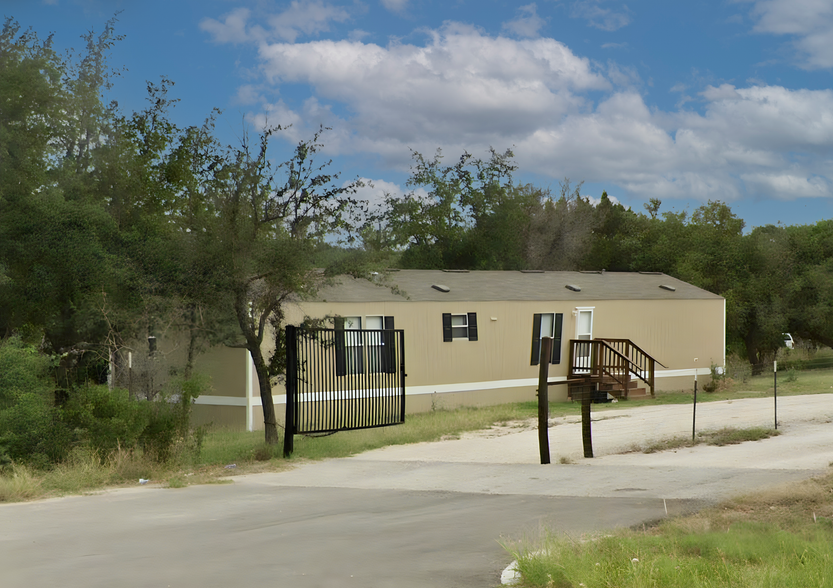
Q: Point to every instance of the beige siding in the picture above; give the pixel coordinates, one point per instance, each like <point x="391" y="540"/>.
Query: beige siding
<point x="496" y="368"/>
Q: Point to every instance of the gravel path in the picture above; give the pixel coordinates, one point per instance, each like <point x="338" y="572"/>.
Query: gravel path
<point x="806" y="442"/>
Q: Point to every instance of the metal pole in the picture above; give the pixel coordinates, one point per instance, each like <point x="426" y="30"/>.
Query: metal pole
<point x="694" y="411"/>
<point x="775" y="390"/>
<point x="291" y="386"/>
<point x="543" y="400"/>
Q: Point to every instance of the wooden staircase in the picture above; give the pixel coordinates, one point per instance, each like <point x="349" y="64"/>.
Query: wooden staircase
<point x="610" y="368"/>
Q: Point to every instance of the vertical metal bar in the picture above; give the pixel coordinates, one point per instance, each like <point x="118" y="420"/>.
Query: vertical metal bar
<point x="402" y="376"/>
<point x="291" y="383"/>
<point x="775" y="391"/>
<point x="694" y="410"/>
<point x="543" y="400"/>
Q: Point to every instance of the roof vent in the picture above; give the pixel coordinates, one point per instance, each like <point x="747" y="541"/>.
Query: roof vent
<point x="441" y="288"/>
<point x="667" y="287"/>
<point x="532" y="271"/>
<point x="573" y="288"/>
<point x="456" y="271"/>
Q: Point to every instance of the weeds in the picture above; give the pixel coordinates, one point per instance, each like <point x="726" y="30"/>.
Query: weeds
<point x="720" y="437"/>
<point x="781" y="537"/>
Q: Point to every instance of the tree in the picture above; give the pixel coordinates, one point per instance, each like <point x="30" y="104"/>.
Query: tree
<point x="54" y="239"/>
<point x="561" y="230"/>
<point x="259" y="245"/>
<point x="435" y="222"/>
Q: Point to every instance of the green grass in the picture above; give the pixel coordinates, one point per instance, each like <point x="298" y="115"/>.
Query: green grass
<point x="85" y="472"/>
<point x="224" y="453"/>
<point x="779" y="538"/>
<point x="721" y="437"/>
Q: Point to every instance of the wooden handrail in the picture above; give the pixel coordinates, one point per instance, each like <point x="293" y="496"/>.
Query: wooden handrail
<point x="634" y="346"/>
<point x="613" y="361"/>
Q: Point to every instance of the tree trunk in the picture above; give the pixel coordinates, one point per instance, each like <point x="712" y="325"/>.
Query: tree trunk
<point x="270" y="424"/>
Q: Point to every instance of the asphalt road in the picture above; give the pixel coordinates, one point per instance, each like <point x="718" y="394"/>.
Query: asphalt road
<point x="252" y="534"/>
<point x="412" y="516"/>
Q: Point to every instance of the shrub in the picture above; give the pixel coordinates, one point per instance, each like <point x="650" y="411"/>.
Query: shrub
<point x="91" y="418"/>
<point x="104" y="419"/>
<point x="22" y="371"/>
<point x="30" y="426"/>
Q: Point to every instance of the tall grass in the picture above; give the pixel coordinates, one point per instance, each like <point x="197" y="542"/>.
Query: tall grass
<point x="221" y="452"/>
<point x="781" y="537"/>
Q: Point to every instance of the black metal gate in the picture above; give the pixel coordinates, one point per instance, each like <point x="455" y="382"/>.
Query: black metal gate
<point x="343" y="379"/>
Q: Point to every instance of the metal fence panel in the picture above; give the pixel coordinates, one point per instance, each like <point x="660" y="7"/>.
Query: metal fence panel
<point x="343" y="379"/>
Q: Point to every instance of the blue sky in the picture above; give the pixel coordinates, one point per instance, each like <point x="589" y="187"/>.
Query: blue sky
<point x="683" y="101"/>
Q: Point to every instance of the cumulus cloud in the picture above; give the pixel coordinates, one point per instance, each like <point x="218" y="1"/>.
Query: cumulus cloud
<point x="374" y="191"/>
<point x="395" y="5"/>
<point x="564" y="115"/>
<point x="527" y="23"/>
<point x="232" y="29"/>
<point x="301" y="17"/>
<point x="461" y="86"/>
<point x="810" y="22"/>
<point x="606" y="19"/>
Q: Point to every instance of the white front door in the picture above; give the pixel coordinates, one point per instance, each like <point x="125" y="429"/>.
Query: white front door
<point x="584" y="332"/>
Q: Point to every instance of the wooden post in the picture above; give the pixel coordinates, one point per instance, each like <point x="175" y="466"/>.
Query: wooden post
<point x="586" y="432"/>
<point x="543" y="400"/>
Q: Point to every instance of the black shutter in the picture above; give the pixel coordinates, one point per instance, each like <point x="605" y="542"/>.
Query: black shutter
<point x="556" y="340"/>
<point x="536" y="339"/>
<point x="472" y="326"/>
<point x="388" y="347"/>
<point x="446" y="327"/>
<point x="341" y="353"/>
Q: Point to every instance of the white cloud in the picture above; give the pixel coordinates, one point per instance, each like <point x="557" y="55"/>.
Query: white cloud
<point x="374" y="191"/>
<point x="309" y="17"/>
<point x="606" y="19"/>
<point x="724" y="92"/>
<point x="462" y="86"/>
<point x="527" y="23"/>
<point x="301" y="17"/>
<point x="395" y="5"/>
<point x="809" y="21"/>
<point x="231" y="30"/>
<point x="464" y="90"/>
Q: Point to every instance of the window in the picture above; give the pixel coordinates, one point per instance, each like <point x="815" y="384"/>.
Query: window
<point x="459" y="326"/>
<point x="375" y="344"/>
<point x="546" y="325"/>
<point x="353" y="345"/>
<point x="369" y="350"/>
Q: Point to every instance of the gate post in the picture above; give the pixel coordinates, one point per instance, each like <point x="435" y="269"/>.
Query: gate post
<point x="543" y="400"/>
<point x="291" y="389"/>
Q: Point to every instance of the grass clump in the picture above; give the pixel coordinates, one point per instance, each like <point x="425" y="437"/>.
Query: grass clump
<point x="779" y="538"/>
<point x="720" y="437"/>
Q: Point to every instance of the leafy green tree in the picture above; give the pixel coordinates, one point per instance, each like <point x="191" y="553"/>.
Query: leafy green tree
<point x="259" y="246"/>
<point x="561" y="230"/>
<point x="437" y="222"/>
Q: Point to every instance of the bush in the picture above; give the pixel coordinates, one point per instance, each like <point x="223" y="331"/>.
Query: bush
<point x="104" y="419"/>
<point x="30" y="426"/>
<point x="91" y="417"/>
<point x="31" y="431"/>
<point x="22" y="371"/>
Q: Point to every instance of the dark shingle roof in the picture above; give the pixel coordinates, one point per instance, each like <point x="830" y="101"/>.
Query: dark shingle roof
<point x="484" y="286"/>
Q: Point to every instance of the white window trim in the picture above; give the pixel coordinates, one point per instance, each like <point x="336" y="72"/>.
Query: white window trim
<point x="580" y="309"/>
